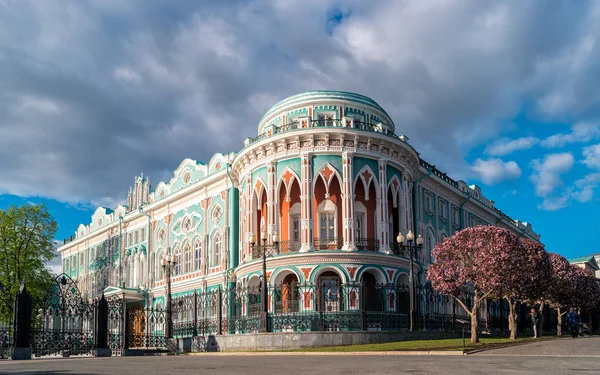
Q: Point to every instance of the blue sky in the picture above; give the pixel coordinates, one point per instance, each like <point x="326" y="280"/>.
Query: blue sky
<point x="500" y="94"/>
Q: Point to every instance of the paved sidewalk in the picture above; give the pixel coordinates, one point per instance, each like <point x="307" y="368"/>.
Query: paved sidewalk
<point x="579" y="347"/>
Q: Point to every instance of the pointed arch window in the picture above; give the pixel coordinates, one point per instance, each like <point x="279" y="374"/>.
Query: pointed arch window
<point x="360" y="215"/>
<point x="158" y="270"/>
<point x="177" y="253"/>
<point x="187" y="258"/>
<point x="294" y="222"/>
<point x="197" y="255"/>
<point x="217" y="248"/>
<point x="327" y="220"/>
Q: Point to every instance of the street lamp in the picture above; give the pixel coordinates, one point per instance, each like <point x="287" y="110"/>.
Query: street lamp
<point x="264" y="249"/>
<point x="412" y="252"/>
<point x="168" y="263"/>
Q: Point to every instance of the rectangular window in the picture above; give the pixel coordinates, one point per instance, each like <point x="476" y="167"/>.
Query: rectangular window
<point x="296" y="228"/>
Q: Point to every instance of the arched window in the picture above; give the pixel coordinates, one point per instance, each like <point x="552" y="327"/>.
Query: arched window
<point x="429" y="244"/>
<point x="327" y="219"/>
<point x="217" y="247"/>
<point x="360" y="215"/>
<point x="177" y="253"/>
<point x="197" y="255"/>
<point x="295" y="222"/>
<point x="158" y="269"/>
<point x="187" y="258"/>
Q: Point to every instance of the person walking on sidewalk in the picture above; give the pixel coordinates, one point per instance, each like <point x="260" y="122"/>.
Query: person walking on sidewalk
<point x="573" y="322"/>
<point x="534" y="321"/>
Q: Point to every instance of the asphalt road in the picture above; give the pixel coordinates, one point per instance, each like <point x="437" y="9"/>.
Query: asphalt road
<point x="550" y="357"/>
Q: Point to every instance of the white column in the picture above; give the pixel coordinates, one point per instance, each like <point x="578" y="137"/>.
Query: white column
<point x="249" y="210"/>
<point x="382" y="213"/>
<point x="271" y="219"/>
<point x="306" y="200"/>
<point x="348" y="201"/>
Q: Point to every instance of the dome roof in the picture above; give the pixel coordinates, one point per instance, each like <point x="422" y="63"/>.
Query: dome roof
<point x="323" y="96"/>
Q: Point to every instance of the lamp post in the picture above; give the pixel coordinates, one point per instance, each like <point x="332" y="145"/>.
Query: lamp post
<point x="168" y="263"/>
<point x="265" y="248"/>
<point x="412" y="251"/>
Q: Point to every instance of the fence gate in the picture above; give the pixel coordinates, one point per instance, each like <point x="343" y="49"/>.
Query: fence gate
<point x="146" y="327"/>
<point x="115" y="325"/>
<point x="62" y="323"/>
<point x="6" y="325"/>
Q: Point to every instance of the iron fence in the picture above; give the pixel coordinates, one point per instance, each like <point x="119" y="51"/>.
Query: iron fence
<point x="328" y="306"/>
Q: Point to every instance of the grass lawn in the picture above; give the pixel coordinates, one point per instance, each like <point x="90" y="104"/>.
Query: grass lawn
<point x="420" y="345"/>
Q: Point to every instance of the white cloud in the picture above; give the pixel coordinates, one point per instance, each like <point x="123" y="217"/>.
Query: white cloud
<point x="192" y="79"/>
<point x="554" y="203"/>
<point x="547" y="172"/>
<point x="584" y="188"/>
<point x="580" y="133"/>
<point x="493" y="171"/>
<point x="592" y="156"/>
<point x="507" y="146"/>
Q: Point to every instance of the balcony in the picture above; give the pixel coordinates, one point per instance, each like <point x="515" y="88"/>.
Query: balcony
<point x="321" y="123"/>
<point x="328" y="243"/>
<point x="289" y="246"/>
<point x="368" y="244"/>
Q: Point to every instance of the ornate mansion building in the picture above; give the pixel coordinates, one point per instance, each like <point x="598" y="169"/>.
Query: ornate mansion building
<point x="326" y="174"/>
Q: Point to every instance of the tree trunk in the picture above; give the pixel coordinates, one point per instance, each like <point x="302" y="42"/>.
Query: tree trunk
<point x="474" y="331"/>
<point x="512" y="319"/>
<point x="541" y="326"/>
<point x="558" y="322"/>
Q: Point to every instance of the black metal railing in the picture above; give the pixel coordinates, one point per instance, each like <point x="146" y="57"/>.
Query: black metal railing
<point x="328" y="243"/>
<point x="326" y="122"/>
<point x="289" y="246"/>
<point x="370" y="244"/>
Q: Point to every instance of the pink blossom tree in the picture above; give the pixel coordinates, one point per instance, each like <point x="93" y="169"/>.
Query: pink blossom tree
<point x="559" y="293"/>
<point x="474" y="260"/>
<point x="526" y="279"/>
<point x="536" y="277"/>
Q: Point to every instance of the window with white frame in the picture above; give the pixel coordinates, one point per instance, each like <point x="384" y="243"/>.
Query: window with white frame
<point x="327" y="219"/>
<point x="187" y="258"/>
<point x="217" y="248"/>
<point x="142" y="234"/>
<point x="360" y="217"/>
<point x="158" y="270"/>
<point x="325" y="119"/>
<point x="428" y="199"/>
<point x="177" y="253"/>
<point x="197" y="255"/>
<point x="429" y="244"/>
<point x="443" y="209"/>
<point x="136" y="237"/>
<point x="456" y="216"/>
<point x="294" y="222"/>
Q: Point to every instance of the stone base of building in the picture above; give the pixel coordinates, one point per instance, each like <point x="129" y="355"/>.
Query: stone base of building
<point x="102" y="352"/>
<point x="19" y="354"/>
<point x="299" y="340"/>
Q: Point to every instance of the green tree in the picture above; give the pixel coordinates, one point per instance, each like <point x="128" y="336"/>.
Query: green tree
<point x="26" y="234"/>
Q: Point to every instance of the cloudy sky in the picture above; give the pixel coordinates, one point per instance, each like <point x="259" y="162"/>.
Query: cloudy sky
<point x="500" y="94"/>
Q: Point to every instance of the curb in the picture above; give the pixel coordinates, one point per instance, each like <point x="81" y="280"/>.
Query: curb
<point x="389" y="353"/>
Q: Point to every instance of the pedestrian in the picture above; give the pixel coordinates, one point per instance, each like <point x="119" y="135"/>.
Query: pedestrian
<point x="573" y="322"/>
<point x="534" y="321"/>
